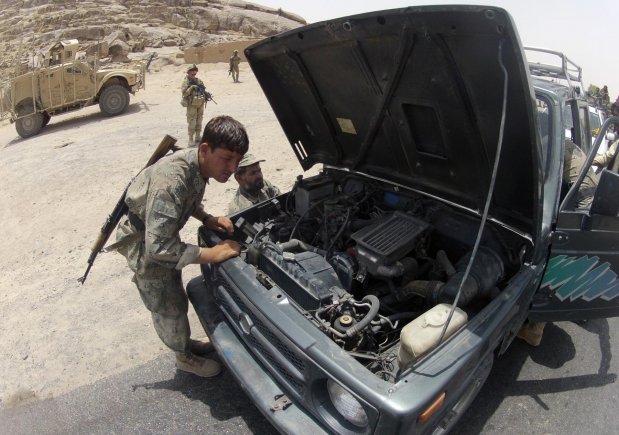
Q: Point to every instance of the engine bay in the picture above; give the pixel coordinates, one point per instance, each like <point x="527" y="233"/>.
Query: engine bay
<point x="362" y="259"/>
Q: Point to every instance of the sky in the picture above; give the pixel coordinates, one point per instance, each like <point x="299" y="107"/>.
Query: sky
<point x="581" y="29"/>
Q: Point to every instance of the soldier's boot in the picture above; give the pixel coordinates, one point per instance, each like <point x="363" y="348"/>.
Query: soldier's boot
<point x="199" y="366"/>
<point x="191" y="142"/>
<point x="532" y="333"/>
<point x="198" y="138"/>
<point x="200" y="348"/>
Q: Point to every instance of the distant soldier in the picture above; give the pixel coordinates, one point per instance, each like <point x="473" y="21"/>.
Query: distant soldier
<point x="253" y="188"/>
<point x="194" y="99"/>
<point x="235" y="60"/>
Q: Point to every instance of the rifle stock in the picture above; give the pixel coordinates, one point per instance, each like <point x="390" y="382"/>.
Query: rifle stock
<point x="167" y="144"/>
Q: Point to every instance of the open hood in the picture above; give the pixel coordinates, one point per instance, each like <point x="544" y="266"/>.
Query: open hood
<point x="415" y="96"/>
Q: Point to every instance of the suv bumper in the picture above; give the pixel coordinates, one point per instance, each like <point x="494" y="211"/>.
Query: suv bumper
<point x="251" y="376"/>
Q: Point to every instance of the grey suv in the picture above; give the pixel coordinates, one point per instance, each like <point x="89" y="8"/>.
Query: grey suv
<point x="374" y="297"/>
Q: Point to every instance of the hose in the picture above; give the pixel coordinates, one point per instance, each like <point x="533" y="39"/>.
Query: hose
<point x="484" y="216"/>
<point x="296" y="244"/>
<point x="397" y="269"/>
<point x="374" y="306"/>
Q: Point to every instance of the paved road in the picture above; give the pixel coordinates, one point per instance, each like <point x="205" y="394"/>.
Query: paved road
<point x="566" y="386"/>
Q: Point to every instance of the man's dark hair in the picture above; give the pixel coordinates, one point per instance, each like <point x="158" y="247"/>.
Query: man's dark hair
<point x="226" y="132"/>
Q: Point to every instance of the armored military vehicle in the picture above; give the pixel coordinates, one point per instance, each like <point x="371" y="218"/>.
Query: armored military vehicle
<point x="61" y="82"/>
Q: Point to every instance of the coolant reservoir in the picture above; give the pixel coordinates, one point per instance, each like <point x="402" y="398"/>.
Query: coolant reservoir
<point x="422" y="334"/>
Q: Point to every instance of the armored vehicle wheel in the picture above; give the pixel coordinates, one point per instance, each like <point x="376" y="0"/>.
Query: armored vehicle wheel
<point x="29" y="125"/>
<point x="114" y="100"/>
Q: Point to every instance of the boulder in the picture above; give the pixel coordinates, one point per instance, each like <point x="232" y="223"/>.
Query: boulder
<point x="119" y="51"/>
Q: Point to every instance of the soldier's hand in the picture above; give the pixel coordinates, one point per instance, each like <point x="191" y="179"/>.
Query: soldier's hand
<point x="220" y="252"/>
<point x="220" y="223"/>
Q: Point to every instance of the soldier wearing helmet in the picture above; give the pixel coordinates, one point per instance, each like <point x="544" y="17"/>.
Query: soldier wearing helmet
<point x="194" y="99"/>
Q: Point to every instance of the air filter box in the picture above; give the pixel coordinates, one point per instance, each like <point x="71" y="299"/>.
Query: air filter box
<point x="387" y="241"/>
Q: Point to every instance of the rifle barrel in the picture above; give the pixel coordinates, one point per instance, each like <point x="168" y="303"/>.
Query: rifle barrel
<point x="82" y="279"/>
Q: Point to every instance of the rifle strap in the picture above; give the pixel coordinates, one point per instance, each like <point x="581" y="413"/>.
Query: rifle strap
<point x="124" y="242"/>
<point x="136" y="221"/>
<point x="138" y="224"/>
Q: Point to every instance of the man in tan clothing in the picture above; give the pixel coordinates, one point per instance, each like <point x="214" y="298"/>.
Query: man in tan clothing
<point x="235" y="60"/>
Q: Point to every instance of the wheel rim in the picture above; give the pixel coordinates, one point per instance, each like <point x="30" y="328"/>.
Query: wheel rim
<point x="114" y="101"/>
<point x="28" y="123"/>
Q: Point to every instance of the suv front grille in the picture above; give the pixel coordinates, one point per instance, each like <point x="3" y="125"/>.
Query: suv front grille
<point x="256" y="346"/>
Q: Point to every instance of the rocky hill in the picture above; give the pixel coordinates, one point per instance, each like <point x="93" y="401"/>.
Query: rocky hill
<point x="123" y="26"/>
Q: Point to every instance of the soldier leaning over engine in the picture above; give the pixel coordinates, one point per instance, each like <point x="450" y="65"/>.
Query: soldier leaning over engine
<point x="160" y="201"/>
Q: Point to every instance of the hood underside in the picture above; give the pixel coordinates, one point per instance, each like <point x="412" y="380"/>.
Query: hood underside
<point x="415" y="96"/>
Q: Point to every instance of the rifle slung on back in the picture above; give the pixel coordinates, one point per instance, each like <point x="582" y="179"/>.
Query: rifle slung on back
<point x="120" y="209"/>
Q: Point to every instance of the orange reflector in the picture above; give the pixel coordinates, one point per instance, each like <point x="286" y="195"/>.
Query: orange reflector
<point x="430" y="410"/>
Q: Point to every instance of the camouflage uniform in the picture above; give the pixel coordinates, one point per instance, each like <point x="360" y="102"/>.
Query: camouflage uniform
<point x="242" y="199"/>
<point x="573" y="161"/>
<point x="234" y="66"/>
<point x="195" y="108"/>
<point x="161" y="199"/>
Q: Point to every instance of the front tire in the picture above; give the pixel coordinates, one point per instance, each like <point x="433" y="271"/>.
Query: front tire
<point x="114" y="100"/>
<point x="29" y="125"/>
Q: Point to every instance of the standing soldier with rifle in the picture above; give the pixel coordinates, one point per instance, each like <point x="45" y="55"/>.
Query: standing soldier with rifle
<point x="159" y="202"/>
<point x="235" y="60"/>
<point x="194" y="97"/>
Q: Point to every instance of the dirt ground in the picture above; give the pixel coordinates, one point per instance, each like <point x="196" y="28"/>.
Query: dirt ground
<point x="58" y="187"/>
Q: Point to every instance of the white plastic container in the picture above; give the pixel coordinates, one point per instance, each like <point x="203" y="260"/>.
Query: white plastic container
<point x="422" y="334"/>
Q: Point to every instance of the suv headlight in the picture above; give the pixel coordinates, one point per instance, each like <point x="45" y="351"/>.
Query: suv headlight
<point x="346" y="404"/>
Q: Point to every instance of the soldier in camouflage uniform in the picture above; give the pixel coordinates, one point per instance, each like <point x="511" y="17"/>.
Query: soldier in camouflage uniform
<point x="193" y="98"/>
<point x="253" y="188"/>
<point x="160" y="200"/>
<point x="235" y="60"/>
